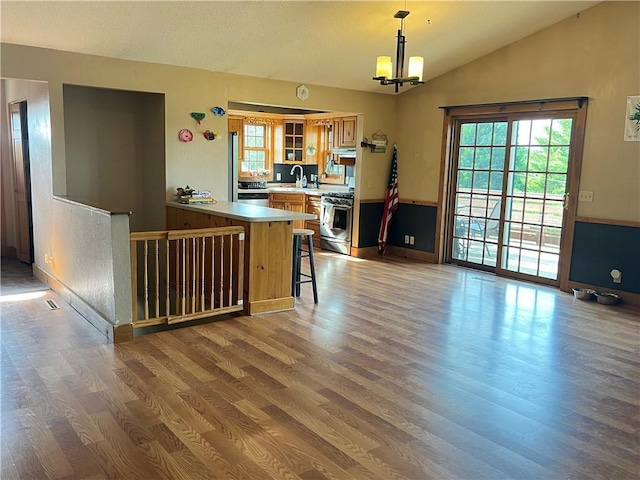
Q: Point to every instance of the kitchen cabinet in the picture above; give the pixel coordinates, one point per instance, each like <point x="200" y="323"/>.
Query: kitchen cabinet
<point x="294" y="141"/>
<point x="344" y="132"/>
<point x="292" y="202"/>
<point x="235" y="125"/>
<point x="313" y="203"/>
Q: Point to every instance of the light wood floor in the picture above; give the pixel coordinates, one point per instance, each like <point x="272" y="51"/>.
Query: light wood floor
<point x="403" y="371"/>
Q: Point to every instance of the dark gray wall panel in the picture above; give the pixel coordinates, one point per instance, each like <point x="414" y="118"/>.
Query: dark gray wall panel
<point x="599" y="248"/>
<point x="369" y="225"/>
<point x="416" y="220"/>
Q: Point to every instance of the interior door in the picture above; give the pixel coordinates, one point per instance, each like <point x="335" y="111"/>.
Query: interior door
<point x="19" y="143"/>
<point x="511" y="184"/>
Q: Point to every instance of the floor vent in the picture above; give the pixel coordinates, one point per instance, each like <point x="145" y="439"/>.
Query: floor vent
<point x="52" y="305"/>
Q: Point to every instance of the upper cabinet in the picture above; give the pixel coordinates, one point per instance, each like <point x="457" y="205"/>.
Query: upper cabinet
<point x="344" y="132"/>
<point x="235" y="124"/>
<point x="294" y="141"/>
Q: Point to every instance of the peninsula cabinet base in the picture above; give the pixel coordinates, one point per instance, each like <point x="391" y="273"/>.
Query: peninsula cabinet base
<point x="268" y="251"/>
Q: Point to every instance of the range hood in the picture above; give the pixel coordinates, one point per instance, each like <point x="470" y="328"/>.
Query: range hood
<point x="344" y="152"/>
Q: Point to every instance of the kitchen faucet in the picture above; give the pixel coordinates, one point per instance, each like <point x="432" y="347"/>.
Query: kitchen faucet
<point x="293" y="169"/>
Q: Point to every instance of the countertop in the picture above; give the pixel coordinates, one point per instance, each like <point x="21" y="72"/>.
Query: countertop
<point x="244" y="212"/>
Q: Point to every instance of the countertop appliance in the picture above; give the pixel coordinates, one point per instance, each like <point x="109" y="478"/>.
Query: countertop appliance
<point x="252" y="184"/>
<point x="336" y="216"/>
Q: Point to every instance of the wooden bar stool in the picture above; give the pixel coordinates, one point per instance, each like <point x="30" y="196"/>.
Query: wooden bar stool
<point x="298" y="254"/>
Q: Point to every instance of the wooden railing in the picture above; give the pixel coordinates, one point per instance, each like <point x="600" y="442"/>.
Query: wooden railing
<point x="182" y="275"/>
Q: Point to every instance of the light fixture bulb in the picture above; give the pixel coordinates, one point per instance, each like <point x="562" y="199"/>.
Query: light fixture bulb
<point x="416" y="66"/>
<point x="384" y="67"/>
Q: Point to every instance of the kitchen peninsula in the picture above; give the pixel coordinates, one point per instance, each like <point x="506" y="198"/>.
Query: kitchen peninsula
<point x="268" y="247"/>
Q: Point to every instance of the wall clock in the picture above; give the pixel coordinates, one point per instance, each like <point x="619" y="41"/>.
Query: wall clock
<point x="302" y="92"/>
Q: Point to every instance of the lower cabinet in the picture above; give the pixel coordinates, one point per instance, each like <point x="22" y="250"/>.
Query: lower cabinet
<point x="313" y="206"/>
<point x="292" y="202"/>
<point x="180" y="219"/>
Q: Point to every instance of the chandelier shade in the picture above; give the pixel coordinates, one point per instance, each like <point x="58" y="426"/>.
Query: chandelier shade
<point x="384" y="65"/>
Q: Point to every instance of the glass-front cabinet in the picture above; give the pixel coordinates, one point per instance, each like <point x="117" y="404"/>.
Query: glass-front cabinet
<point x="294" y="144"/>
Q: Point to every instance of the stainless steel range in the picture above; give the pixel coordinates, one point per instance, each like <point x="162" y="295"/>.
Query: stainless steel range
<point x="336" y="221"/>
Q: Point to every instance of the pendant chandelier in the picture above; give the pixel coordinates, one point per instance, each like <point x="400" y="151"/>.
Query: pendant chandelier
<point x="384" y="66"/>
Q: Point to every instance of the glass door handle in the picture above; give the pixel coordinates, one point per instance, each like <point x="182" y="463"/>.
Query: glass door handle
<point x="565" y="201"/>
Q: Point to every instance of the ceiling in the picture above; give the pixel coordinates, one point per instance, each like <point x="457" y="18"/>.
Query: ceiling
<point x="329" y="43"/>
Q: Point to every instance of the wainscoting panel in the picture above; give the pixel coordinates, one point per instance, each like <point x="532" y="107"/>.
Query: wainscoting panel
<point x="369" y="225"/>
<point x="599" y="248"/>
<point x="410" y="219"/>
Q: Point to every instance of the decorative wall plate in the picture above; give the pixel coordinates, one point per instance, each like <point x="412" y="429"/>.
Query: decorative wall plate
<point x="198" y="116"/>
<point x="185" y="135"/>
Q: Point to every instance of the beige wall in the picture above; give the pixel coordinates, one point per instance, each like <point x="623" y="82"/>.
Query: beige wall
<point x="596" y="55"/>
<point x="201" y="164"/>
<point x="115" y="151"/>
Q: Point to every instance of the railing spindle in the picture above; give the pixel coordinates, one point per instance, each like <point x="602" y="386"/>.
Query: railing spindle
<point x="221" y="291"/>
<point x="184" y="274"/>
<point x="134" y="280"/>
<point x="213" y="270"/>
<point x="146" y="280"/>
<point x="230" y="279"/>
<point x="192" y="274"/>
<point x="167" y="297"/>
<point x="157" y="313"/>
<point x="202" y="277"/>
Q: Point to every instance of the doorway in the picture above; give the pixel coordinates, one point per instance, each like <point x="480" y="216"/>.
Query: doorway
<point x="512" y="201"/>
<point x="22" y="180"/>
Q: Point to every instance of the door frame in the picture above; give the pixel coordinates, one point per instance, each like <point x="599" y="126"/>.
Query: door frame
<point x="455" y="114"/>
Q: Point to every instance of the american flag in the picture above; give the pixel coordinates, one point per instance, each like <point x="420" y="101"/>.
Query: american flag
<point x="390" y="203"/>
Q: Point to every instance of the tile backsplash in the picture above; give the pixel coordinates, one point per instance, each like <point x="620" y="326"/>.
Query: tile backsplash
<point x="284" y="170"/>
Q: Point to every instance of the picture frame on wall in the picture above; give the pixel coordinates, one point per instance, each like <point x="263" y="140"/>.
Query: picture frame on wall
<point x="632" y="119"/>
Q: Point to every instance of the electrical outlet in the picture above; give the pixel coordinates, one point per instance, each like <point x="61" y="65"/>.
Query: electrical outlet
<point x="585" y="196"/>
<point x="411" y="240"/>
<point x="406" y="239"/>
<point x="278" y="176"/>
<point x="48" y="258"/>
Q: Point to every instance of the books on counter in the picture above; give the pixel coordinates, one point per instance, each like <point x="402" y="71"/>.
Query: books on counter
<point x="193" y="200"/>
<point x="191" y="196"/>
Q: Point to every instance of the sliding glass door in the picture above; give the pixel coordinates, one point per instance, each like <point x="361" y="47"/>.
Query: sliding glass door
<point x="511" y="184"/>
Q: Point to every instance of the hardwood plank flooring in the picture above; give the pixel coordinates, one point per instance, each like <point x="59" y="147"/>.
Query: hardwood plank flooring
<point x="403" y="370"/>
